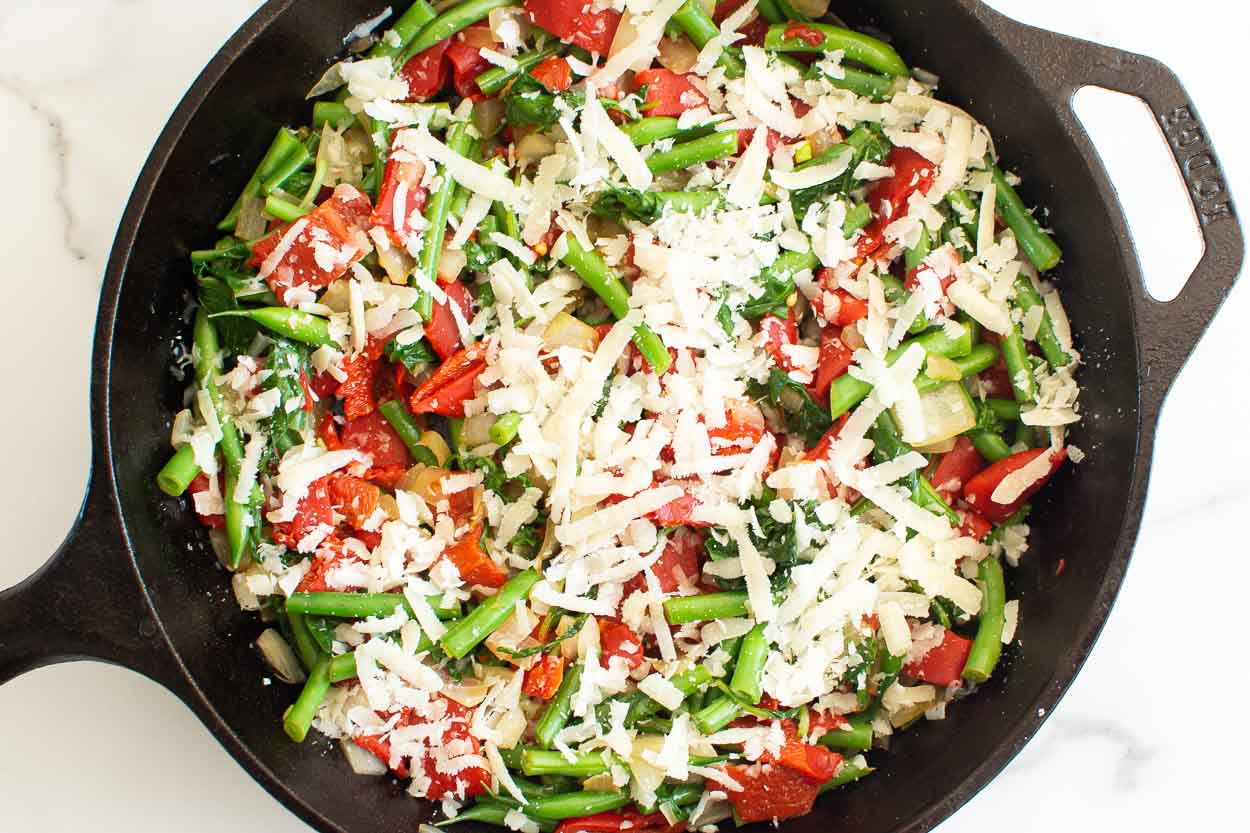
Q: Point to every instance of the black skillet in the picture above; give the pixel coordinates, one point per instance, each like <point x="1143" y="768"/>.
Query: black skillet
<point x="135" y="583"/>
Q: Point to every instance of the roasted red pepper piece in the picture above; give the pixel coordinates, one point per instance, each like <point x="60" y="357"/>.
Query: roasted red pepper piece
<point x="616" y="639"/>
<point x="912" y="172"/>
<point x="554" y="73"/>
<point x="474" y="565"/>
<point x="318" y="248"/>
<point x="426" y="72"/>
<point x="570" y="20"/>
<point x="402" y="194"/>
<point x="972" y="525"/>
<point x="814" y="762"/>
<point x="442" y="331"/>
<point x="679" y="511"/>
<point x="626" y="820"/>
<point x="978" y="490"/>
<point x="943" y="664"/>
<point x="955" y="468"/>
<point x="449" y="387"/>
<point x="468" y="782"/>
<point x="315" y="508"/>
<point x="467" y="64"/>
<point x="809" y="36"/>
<point x="542" y="679"/>
<point x="354" y="497"/>
<point x="779" y="333"/>
<point x="668" y="94"/>
<point x="330" y="553"/>
<point x="770" y="792"/>
<point x="373" y="435"/>
<point x="753" y="31"/>
<point x="357" y="390"/>
<point x="835" y="359"/>
<point x="201" y="484"/>
<point x="682" y="560"/>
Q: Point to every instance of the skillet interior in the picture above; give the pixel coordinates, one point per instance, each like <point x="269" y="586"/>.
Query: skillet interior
<point x="930" y="770"/>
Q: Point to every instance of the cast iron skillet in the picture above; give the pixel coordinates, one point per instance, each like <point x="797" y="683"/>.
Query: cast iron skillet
<point x="136" y="584"/>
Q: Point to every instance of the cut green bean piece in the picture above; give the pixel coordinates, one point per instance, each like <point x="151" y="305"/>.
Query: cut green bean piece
<point x="305" y="644"/>
<point x="493" y="813"/>
<point x="855" y="736"/>
<point x="559" y="709"/>
<point x="987" y="645"/>
<point x="505" y="429"/>
<point x="694" y="20"/>
<point x="334" y="114"/>
<point x="484" y="619"/>
<point x="361" y="605"/>
<point x="868" y="85"/>
<point x="990" y="445"/>
<point x="848" y="772"/>
<point x="1043" y="252"/>
<point x="717" y="715"/>
<point x="981" y="357"/>
<point x="1027" y="297"/>
<point x="550" y="762"/>
<point x="603" y="281"/>
<point x="684" y="609"/>
<point x="176" y="475"/>
<point x="705" y="149"/>
<point x="299" y="717"/>
<point x="855" y="46"/>
<point x="294" y="324"/>
<point x="436" y="211"/>
<point x="343" y="666"/>
<point x="407" y="27"/>
<point x="575" y="804"/>
<point x="1016" y="357"/>
<point x="283" y="145"/>
<point x="749" y="669"/>
<point x="408" y="430"/>
<point x="452" y="20"/>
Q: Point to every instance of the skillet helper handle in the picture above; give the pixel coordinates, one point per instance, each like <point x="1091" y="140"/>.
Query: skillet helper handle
<point x="86" y="602"/>
<point x="1167" y="331"/>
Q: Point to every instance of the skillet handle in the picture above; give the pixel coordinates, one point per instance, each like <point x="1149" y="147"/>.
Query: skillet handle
<point x="86" y="602"/>
<point x="1062" y="65"/>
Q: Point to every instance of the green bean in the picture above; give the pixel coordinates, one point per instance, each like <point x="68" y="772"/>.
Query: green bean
<point x="379" y="133"/>
<point x="299" y="717"/>
<point x="483" y="620"/>
<point x="687" y="682"/>
<point x="681" y="610"/>
<point x="846" y="391"/>
<point x="1043" y="252"/>
<point x="1019" y="368"/>
<point x="294" y="324"/>
<point x="283" y="209"/>
<point x="575" y="804"/>
<point x="713" y="146"/>
<point x="896" y="294"/>
<point x="987" y="645"/>
<point x="228" y="251"/>
<point x="407" y="27"/>
<point x="559" y="709"/>
<point x="717" y="715"/>
<point x="1007" y="410"/>
<point x="361" y="605"/>
<point x="962" y="206"/>
<point x="769" y="11"/>
<point x="505" y="428"/>
<point x="494" y="813"/>
<point x="547" y="762"/>
<point x="176" y="475"/>
<point x="596" y="274"/>
<point x="334" y="114"/>
<point x="749" y="669"/>
<point x="858" y="47"/>
<point x="694" y="20"/>
<point x="868" y="85"/>
<point x="650" y="129"/>
<point x="305" y="645"/>
<point x="436" y="211"/>
<point x="452" y="20"/>
<point x="980" y="358"/>
<point x="989" y="445"/>
<point x="848" y="772"/>
<point x="285" y="143"/>
<point x="855" y="736"/>
<point x="343" y="666"/>
<point x="1027" y="297"/>
<point x="293" y="162"/>
<point x="691" y="202"/>
<point x="493" y="80"/>
<point x="408" y="430"/>
<point x="857" y="217"/>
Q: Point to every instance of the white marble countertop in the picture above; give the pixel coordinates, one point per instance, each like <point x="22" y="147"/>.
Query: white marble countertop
<point x="86" y="85"/>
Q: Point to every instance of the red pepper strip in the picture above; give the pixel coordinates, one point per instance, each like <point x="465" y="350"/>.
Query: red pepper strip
<point x="955" y="468"/>
<point x="978" y="490"/>
<point x="543" y="678"/>
<point x="449" y="400"/>
<point x="943" y="664"/>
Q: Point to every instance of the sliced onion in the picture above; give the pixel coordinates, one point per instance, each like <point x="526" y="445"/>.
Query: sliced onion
<point x="678" y="54"/>
<point x="533" y="147"/>
<point x="337" y="295"/>
<point x="423" y="480"/>
<point x="251" y="223"/>
<point x="822" y="140"/>
<point x="942" y="368"/>
<point x="488" y="116"/>
<point x="815" y="9"/>
<point x="278" y="655"/>
<point x="437" y="445"/>
<point x="397" y="263"/>
<point x="626" y="34"/>
<point x="476" y="430"/>
<point x="944" y="413"/>
<point x="243" y="594"/>
<point x="343" y="155"/>
<point x="937" y="448"/>
<point x="362" y="762"/>
<point x="511" y="728"/>
<point x="451" y="264"/>
<point x="601" y="783"/>
<point x="713" y="812"/>
<point x="566" y="331"/>
<point x="469" y="692"/>
<point x="479" y="37"/>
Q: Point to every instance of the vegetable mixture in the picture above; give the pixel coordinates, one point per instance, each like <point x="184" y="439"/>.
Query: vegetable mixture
<point x="620" y="412"/>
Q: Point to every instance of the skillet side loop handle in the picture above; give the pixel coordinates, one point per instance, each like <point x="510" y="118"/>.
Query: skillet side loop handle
<point x="84" y="603"/>
<point x="1167" y="331"/>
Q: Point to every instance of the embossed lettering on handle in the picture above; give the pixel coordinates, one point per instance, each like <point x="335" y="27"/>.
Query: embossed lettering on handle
<point x="1198" y="164"/>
